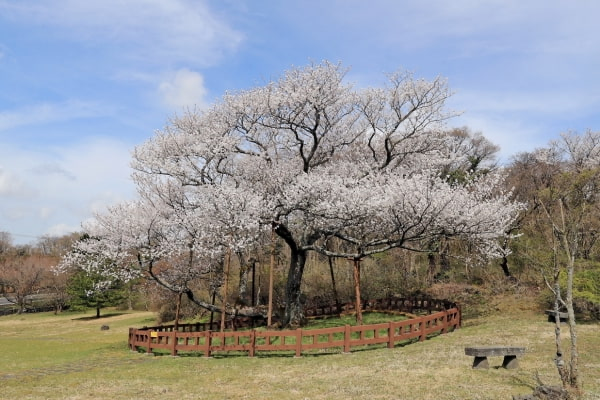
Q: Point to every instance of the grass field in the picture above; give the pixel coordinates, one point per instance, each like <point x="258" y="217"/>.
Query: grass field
<point x="43" y="356"/>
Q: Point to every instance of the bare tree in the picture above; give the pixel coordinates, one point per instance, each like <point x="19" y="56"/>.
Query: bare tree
<point x="6" y="242"/>
<point x="22" y="277"/>
<point x="564" y="191"/>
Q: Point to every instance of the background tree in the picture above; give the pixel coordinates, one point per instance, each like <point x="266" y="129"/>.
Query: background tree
<point x="6" y="242"/>
<point x="478" y="156"/>
<point x="562" y="183"/>
<point x="93" y="290"/>
<point x="22" y="276"/>
<point x="95" y="279"/>
<point x="56" y="246"/>
<point x="56" y="287"/>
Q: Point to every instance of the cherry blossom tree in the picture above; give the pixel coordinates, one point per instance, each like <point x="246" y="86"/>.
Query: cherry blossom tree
<point x="313" y="159"/>
<point x="165" y="238"/>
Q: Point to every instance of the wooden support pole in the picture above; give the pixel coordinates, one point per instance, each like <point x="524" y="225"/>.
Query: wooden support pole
<point x="225" y="288"/>
<point x="271" y="272"/>
<point x="333" y="286"/>
<point x="177" y="311"/>
<point x="359" y="319"/>
<point x="253" y="285"/>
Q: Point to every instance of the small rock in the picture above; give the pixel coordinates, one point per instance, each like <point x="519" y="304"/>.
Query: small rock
<point x="104" y="328"/>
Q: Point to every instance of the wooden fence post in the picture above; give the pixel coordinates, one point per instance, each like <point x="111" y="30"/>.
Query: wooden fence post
<point x="445" y="322"/>
<point x="347" y="337"/>
<point x="173" y="337"/>
<point x="207" y="343"/>
<point x="131" y="339"/>
<point x="298" y="342"/>
<point x="252" y="343"/>
<point x="423" y="326"/>
<point x="149" y="343"/>
<point x="391" y="332"/>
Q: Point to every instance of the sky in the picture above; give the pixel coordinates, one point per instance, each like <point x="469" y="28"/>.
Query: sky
<point x="82" y="83"/>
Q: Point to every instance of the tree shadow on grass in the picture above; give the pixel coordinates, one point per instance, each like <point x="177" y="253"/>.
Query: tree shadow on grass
<point x="94" y="318"/>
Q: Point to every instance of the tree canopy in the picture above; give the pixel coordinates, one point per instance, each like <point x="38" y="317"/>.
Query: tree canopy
<point x="313" y="159"/>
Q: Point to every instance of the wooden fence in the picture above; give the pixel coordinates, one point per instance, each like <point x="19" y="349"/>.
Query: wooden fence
<point x="193" y="338"/>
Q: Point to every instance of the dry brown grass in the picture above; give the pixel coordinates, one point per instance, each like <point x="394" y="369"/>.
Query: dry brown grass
<point x="41" y="360"/>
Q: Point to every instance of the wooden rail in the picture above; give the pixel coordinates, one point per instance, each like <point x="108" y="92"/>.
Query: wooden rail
<point x="191" y="337"/>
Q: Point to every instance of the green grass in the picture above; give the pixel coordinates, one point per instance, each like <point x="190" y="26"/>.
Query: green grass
<point x="350" y="319"/>
<point x="43" y="356"/>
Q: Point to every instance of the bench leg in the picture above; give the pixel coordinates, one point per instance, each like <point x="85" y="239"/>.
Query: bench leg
<point x="510" y="362"/>
<point x="480" y="363"/>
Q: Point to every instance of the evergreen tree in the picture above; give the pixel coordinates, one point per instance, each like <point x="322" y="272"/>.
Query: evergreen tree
<point x="92" y="289"/>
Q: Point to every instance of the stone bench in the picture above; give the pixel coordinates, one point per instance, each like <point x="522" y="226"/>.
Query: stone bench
<point x="563" y="316"/>
<point x="483" y="352"/>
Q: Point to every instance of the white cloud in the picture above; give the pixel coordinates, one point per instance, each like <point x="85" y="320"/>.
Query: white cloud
<point x="540" y="102"/>
<point x="512" y="135"/>
<point x="522" y="120"/>
<point x="52" y="168"/>
<point x="46" y="212"/>
<point x="61" y="229"/>
<point x="49" y="112"/>
<point x="11" y="184"/>
<point x="53" y="191"/>
<point x="183" y="89"/>
<point x="166" y="30"/>
<point x="420" y="23"/>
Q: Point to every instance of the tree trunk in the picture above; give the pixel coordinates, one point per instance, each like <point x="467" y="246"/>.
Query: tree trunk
<point x="504" y="262"/>
<point x="444" y="257"/>
<point x="560" y="362"/>
<point x="98" y="311"/>
<point x="431" y="268"/>
<point x="504" y="265"/>
<point x="294" y="314"/>
<point x="569" y="247"/>
<point x="20" y="305"/>
<point x="212" y="312"/>
<point x="574" y="364"/>
<point x="245" y="267"/>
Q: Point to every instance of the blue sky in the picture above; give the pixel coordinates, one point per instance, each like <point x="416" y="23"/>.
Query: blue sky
<point x="83" y="82"/>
